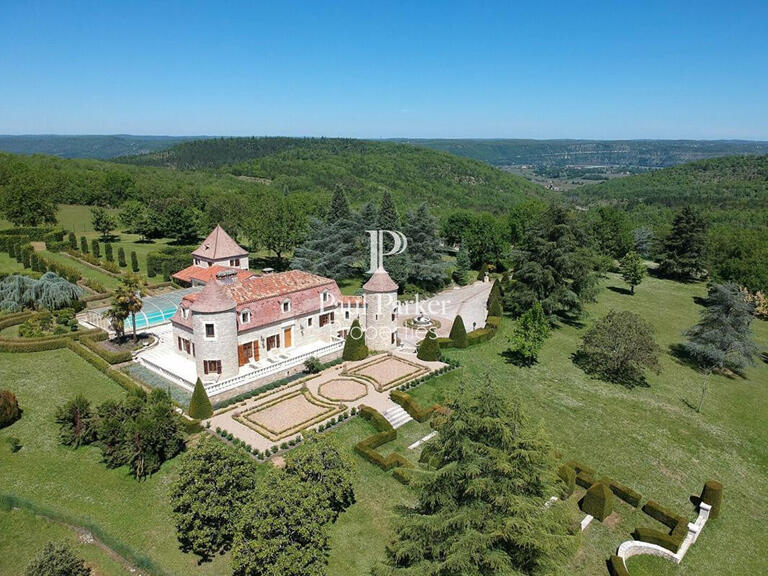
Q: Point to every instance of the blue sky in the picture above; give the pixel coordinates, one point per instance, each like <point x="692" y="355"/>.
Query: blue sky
<point x="386" y="69"/>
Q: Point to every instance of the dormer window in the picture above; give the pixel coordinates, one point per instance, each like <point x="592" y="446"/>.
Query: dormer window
<point x="326" y="296"/>
<point x="184" y="312"/>
<point x="245" y="317"/>
<point x="286" y="306"/>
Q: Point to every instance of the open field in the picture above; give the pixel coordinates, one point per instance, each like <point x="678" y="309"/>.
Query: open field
<point x="24" y="534"/>
<point x="75" y="482"/>
<point x="648" y="438"/>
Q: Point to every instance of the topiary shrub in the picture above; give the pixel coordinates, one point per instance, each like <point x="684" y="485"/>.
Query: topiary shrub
<point x="458" y="333"/>
<point x="200" y="405"/>
<point x="568" y="476"/>
<point x="83" y="245"/>
<point x="135" y="262"/>
<point x="108" y="254"/>
<point x="712" y="494"/>
<point x="616" y="566"/>
<point x="429" y="349"/>
<point x="121" y="257"/>
<point x="9" y="408"/>
<point x="584" y="474"/>
<point x="354" y="345"/>
<point x="598" y="501"/>
<point x="95" y="248"/>
<point x="625" y="493"/>
<point x="482" y="272"/>
<point x="495" y="308"/>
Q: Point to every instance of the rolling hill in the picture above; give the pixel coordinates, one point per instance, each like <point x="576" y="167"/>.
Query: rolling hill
<point x="560" y="153"/>
<point x="87" y="146"/>
<point x="363" y="168"/>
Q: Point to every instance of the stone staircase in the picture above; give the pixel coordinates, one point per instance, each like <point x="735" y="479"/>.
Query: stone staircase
<point x="397" y="416"/>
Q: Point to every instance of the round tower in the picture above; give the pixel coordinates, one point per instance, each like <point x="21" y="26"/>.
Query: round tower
<point x="214" y="325"/>
<point x="380" y="311"/>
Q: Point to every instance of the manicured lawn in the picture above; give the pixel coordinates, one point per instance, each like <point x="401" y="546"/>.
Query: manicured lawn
<point x="24" y="534"/>
<point x="75" y="482"/>
<point x="9" y="265"/>
<point x="77" y="218"/>
<point x="360" y="534"/>
<point x="648" y="438"/>
<point x="109" y="282"/>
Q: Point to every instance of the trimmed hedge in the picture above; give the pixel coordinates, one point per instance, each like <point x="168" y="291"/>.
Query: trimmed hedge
<point x="411" y="406"/>
<point x="712" y="494"/>
<point x="122" y="379"/>
<point x="598" y="501"/>
<point x="108" y="355"/>
<point x="568" y="476"/>
<point x="386" y="433"/>
<point x="678" y="526"/>
<point x="616" y="566"/>
<point x="623" y="492"/>
<point x="585" y="476"/>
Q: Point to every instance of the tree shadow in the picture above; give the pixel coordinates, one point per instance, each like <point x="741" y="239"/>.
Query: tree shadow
<point x="688" y="404"/>
<point x="700" y="300"/>
<point x="620" y="290"/>
<point x="572" y="321"/>
<point x="764" y="356"/>
<point x="589" y="366"/>
<point x="681" y="356"/>
<point x="515" y="357"/>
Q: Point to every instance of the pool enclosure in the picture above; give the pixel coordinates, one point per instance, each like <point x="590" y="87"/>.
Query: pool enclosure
<point x="155" y="310"/>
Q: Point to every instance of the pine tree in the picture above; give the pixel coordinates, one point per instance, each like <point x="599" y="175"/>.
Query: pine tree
<point x="458" y="333"/>
<point x="531" y="331"/>
<point x="723" y="337"/>
<point x="483" y="511"/>
<point x="428" y="270"/>
<point x="134" y="261"/>
<point x="200" y="406"/>
<point x="121" y="257"/>
<point x="429" y="348"/>
<point x="339" y="209"/>
<point x="462" y="272"/>
<point x="388" y="217"/>
<point x="354" y="345"/>
<point x="632" y="270"/>
<point x="685" y="247"/>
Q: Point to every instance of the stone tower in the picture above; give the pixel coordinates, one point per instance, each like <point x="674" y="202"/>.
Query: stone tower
<point x="381" y="311"/>
<point x="214" y="325"/>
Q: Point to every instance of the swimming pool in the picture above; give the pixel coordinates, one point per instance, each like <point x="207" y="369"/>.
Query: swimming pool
<point x="155" y="310"/>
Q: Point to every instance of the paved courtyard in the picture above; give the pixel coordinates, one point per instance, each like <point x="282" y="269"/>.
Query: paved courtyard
<point x="280" y="415"/>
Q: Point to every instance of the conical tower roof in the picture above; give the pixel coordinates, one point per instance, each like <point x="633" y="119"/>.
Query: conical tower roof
<point x="213" y="298"/>
<point x="219" y="245"/>
<point x="380" y="281"/>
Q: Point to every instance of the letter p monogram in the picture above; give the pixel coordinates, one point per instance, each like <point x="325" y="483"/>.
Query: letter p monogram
<point x="377" y="246"/>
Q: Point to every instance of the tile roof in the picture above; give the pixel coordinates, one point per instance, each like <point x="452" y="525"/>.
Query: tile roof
<point x="204" y="275"/>
<point x="380" y="281"/>
<point x="213" y="298"/>
<point x="219" y="245"/>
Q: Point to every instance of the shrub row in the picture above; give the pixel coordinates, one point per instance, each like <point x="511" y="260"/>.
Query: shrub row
<point x="122" y="379"/>
<point x="267" y="387"/>
<point x="492" y="324"/>
<point x="568" y="476"/>
<point x="386" y="433"/>
<point x="626" y="493"/>
<point x="108" y="355"/>
<point x="141" y="561"/>
<point x="411" y="406"/>
<point x="167" y="261"/>
<point x="677" y="524"/>
<point x="585" y="476"/>
<point x="616" y="566"/>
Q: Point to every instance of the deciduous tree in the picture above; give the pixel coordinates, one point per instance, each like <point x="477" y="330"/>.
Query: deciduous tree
<point x="633" y="270"/>
<point x="57" y="559"/>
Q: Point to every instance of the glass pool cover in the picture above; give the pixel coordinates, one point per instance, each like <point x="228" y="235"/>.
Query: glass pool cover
<point x="156" y="309"/>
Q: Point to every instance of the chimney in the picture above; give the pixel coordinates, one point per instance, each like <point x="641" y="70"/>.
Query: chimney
<point x="226" y="277"/>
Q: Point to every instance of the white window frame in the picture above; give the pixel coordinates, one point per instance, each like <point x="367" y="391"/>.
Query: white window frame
<point x="285" y="306"/>
<point x="205" y="327"/>
<point x="245" y="317"/>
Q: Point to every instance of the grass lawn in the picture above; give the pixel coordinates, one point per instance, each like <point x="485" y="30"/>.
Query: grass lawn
<point x="24" y="535"/>
<point x="360" y="534"/>
<point x="109" y="282"/>
<point x="648" y="438"/>
<point x="75" y="482"/>
<point x="9" y="265"/>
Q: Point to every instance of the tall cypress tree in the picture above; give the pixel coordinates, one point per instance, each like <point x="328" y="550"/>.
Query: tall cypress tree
<point x="200" y="406"/>
<point x="685" y="247"/>
<point x="463" y="265"/>
<point x="429" y="348"/>
<point x="354" y="346"/>
<point x="483" y="511"/>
